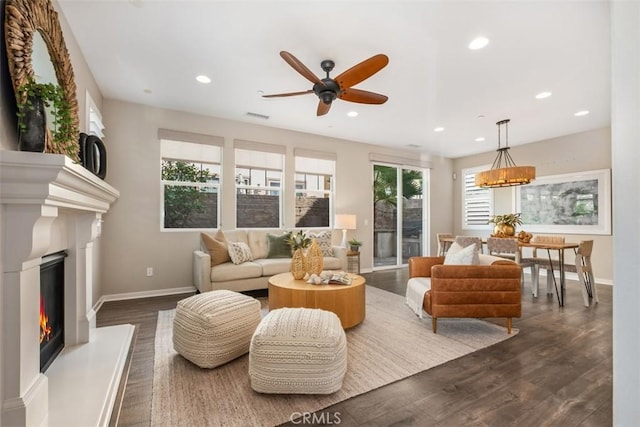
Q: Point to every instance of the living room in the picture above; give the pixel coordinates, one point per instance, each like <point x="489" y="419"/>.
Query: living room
<point x="131" y="239"/>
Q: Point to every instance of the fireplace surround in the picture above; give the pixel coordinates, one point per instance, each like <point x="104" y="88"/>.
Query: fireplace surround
<point x="49" y="203"/>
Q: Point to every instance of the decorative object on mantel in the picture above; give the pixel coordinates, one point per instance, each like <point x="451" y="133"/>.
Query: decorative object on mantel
<point x="298" y="242"/>
<point x="32" y="125"/>
<point x="23" y="19"/>
<point x="93" y="155"/>
<point x="33" y="97"/>
<point x="505" y="225"/>
<point x="504" y="172"/>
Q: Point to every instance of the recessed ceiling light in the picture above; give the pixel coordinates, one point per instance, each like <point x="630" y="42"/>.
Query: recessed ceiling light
<point x="480" y="139"/>
<point x="352" y="114"/>
<point x="203" y="79"/>
<point x="543" y="95"/>
<point x="581" y="113"/>
<point x="438" y="129"/>
<point x="478" y="43"/>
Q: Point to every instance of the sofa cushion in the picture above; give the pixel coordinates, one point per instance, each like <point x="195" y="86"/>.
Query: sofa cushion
<point x="258" y="243"/>
<point x="457" y="255"/>
<point x="229" y="271"/>
<point x="236" y="236"/>
<point x="273" y="266"/>
<point x="331" y="263"/>
<point x="324" y="241"/>
<point x="216" y="246"/>
<point x="278" y="246"/>
<point x="239" y="252"/>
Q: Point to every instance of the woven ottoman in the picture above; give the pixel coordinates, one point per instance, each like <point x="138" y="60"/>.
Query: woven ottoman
<point x="298" y="351"/>
<point x="215" y="327"/>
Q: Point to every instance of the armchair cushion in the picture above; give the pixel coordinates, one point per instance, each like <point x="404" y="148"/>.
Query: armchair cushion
<point x="457" y="255"/>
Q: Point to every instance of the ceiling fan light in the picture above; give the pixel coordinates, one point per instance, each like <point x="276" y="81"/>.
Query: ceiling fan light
<point x="327" y="96"/>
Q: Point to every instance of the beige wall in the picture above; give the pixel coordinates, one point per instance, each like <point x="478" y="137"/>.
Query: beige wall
<point x="132" y="239"/>
<point x="571" y="153"/>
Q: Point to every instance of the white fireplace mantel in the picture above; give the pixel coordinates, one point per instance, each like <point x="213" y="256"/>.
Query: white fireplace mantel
<point x="37" y="190"/>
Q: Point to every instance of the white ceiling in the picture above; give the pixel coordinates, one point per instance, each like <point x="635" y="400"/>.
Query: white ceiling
<point x="149" y="52"/>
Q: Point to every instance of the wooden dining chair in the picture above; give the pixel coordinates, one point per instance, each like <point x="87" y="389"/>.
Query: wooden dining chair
<point x="465" y="241"/>
<point x="505" y="247"/>
<point x="583" y="268"/>
<point x="542" y="262"/>
<point x="443" y="245"/>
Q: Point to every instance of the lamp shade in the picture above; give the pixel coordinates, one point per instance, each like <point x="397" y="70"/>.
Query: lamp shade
<point x="345" y="222"/>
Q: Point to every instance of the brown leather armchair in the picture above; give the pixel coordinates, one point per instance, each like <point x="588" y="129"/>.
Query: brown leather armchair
<point x="490" y="290"/>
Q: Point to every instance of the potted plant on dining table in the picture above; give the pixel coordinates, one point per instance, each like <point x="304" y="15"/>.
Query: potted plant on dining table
<point x="505" y="224"/>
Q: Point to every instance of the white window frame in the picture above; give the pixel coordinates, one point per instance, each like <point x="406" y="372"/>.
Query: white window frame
<point x="247" y="188"/>
<point x="213" y="184"/>
<point x="329" y="193"/>
<point x="477" y="195"/>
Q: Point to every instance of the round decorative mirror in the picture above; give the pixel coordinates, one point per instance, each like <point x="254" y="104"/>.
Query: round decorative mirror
<point x="29" y="20"/>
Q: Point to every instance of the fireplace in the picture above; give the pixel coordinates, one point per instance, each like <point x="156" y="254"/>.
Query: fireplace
<point x="50" y="204"/>
<point x="51" y="308"/>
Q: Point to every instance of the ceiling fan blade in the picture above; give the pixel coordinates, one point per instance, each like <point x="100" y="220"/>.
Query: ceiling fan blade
<point x="323" y="108"/>
<point x="362" y="96"/>
<point x="362" y="71"/>
<point x="279" y="95"/>
<point x="300" y="67"/>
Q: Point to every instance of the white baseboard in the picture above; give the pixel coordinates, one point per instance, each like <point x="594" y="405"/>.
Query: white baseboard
<point x="137" y="295"/>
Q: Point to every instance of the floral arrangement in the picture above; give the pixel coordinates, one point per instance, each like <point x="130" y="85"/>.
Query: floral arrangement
<point x="298" y="240"/>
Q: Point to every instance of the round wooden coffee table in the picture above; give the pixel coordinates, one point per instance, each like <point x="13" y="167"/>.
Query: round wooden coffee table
<point x="347" y="301"/>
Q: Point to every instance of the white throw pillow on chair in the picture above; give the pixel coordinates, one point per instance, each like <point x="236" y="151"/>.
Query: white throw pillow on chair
<point x="457" y="255"/>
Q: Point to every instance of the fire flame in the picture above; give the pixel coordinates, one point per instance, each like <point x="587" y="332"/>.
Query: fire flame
<point x="45" y="328"/>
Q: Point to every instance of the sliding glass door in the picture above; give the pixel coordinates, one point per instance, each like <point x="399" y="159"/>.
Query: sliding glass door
<point x="399" y="207"/>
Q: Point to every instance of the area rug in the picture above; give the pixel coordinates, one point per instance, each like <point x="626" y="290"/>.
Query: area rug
<point x="391" y="344"/>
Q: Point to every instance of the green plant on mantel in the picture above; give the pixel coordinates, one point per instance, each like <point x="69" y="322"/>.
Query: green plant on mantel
<point x="64" y="133"/>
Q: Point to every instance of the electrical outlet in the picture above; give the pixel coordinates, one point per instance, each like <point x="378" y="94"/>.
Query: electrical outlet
<point x="149" y="271"/>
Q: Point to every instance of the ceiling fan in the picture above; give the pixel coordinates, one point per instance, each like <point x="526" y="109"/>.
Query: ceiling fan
<point x="328" y="89"/>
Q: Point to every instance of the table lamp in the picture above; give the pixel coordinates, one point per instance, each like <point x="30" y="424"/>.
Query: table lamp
<point x="345" y="222"/>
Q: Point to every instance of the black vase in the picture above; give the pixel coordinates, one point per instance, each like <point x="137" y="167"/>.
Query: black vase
<point x="32" y="138"/>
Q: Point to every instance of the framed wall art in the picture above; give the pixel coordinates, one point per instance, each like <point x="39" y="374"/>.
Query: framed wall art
<point x="574" y="203"/>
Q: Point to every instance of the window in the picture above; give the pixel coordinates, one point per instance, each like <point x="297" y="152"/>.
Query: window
<point x="190" y="185"/>
<point x="314" y="191"/>
<point x="477" y="204"/>
<point x="258" y="177"/>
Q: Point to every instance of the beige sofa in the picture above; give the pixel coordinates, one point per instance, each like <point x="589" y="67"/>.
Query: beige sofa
<point x="254" y="274"/>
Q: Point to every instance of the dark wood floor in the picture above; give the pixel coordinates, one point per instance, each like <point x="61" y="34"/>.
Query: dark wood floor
<point x="556" y="372"/>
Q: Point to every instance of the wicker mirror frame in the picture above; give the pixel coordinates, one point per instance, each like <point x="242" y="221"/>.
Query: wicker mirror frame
<point x="22" y="19"/>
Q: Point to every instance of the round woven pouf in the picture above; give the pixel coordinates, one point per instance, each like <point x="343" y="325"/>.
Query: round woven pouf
<point x="215" y="327"/>
<point x="298" y="351"/>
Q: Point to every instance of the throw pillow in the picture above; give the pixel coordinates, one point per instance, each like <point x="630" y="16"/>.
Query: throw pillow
<point x="217" y="247"/>
<point x="324" y="241"/>
<point x="457" y="255"/>
<point x="278" y="246"/>
<point x="239" y="252"/>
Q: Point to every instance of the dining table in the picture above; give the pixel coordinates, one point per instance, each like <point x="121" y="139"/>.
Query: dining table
<point x="549" y="247"/>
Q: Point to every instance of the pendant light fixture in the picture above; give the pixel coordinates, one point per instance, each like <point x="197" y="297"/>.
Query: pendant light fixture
<point x="504" y="172"/>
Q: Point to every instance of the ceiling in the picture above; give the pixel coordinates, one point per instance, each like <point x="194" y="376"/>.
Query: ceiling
<point x="150" y="51"/>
